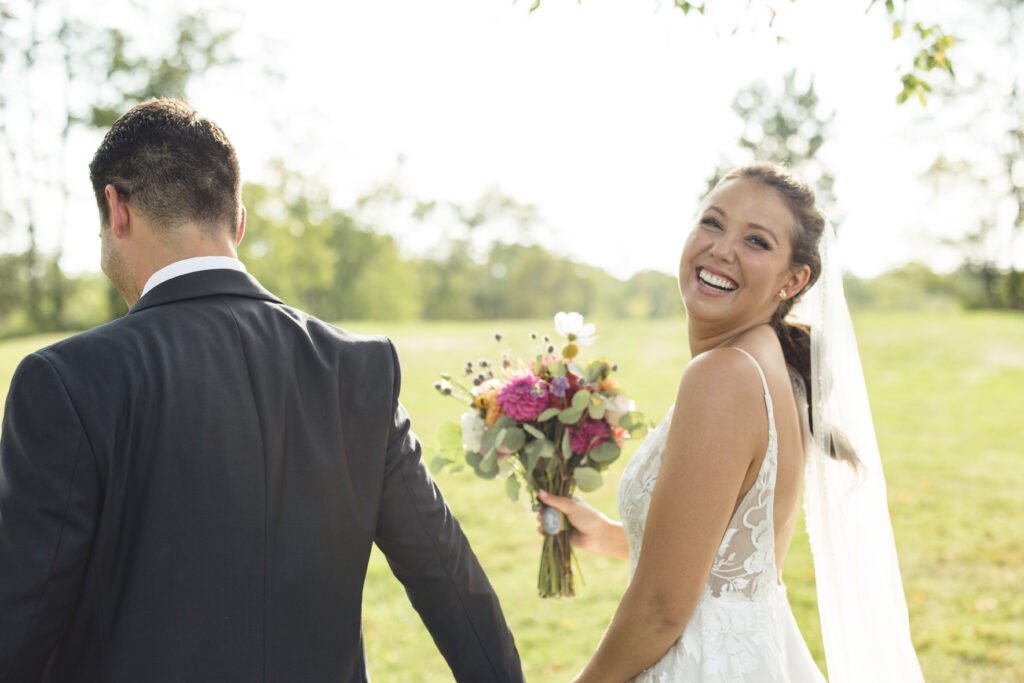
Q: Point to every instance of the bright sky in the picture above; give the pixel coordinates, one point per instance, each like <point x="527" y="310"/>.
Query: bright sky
<point x="607" y="115"/>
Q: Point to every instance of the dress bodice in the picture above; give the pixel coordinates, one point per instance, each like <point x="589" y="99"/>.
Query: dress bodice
<point x="745" y="562"/>
<point x="742" y="629"/>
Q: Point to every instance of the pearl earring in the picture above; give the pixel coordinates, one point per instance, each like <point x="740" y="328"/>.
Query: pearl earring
<point x="782" y="294"/>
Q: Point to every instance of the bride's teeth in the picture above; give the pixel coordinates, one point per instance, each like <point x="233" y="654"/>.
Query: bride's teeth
<point x="715" y="280"/>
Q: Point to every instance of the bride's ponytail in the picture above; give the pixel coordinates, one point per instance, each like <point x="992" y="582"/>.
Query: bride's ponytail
<point x="795" y="338"/>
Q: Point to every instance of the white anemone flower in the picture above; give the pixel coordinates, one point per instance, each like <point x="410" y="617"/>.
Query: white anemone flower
<point x="473" y="427"/>
<point x="572" y="327"/>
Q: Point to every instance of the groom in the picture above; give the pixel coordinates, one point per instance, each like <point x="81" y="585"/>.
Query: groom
<point x="191" y="492"/>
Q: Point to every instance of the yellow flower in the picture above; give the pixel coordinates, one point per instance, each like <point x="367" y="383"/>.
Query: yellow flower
<point x="493" y="409"/>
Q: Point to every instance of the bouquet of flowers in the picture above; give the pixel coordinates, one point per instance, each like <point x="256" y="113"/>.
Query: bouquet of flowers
<point x="554" y="423"/>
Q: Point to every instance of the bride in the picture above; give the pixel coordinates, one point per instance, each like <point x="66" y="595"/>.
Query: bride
<point x="710" y="500"/>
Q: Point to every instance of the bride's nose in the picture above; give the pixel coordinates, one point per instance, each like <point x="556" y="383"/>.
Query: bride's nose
<point x="722" y="248"/>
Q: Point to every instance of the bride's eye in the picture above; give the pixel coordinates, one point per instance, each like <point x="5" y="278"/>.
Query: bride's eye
<point x="711" y="222"/>
<point x="759" y="242"/>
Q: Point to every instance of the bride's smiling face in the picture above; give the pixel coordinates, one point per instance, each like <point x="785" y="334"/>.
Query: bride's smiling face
<point x="737" y="258"/>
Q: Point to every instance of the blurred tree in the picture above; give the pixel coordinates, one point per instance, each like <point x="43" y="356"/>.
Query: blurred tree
<point x="788" y="127"/>
<point x="984" y="155"/>
<point x="60" y="74"/>
<point x="321" y="258"/>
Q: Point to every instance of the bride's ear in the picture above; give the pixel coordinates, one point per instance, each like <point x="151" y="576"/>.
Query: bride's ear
<point x="797" y="280"/>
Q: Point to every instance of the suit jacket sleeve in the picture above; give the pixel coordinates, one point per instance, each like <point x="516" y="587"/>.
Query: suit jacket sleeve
<point x="430" y="555"/>
<point x="48" y="503"/>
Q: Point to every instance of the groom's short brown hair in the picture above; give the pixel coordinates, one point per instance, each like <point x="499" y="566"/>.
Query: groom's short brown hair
<point x="174" y="166"/>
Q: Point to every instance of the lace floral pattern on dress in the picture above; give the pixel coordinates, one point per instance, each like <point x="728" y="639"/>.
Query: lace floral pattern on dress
<point x="736" y="628"/>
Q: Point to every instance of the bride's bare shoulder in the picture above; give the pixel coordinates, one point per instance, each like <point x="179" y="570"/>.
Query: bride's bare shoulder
<point x="720" y="392"/>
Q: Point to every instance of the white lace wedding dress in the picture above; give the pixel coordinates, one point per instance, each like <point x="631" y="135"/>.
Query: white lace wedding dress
<point x="742" y="629"/>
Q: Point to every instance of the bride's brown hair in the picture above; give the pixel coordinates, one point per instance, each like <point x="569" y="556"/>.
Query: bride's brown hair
<point x="795" y="338"/>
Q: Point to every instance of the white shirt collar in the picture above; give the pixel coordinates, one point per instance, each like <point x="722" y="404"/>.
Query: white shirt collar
<point x="191" y="265"/>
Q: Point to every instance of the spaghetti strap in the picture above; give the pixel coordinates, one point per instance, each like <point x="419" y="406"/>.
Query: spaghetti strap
<point x="764" y="384"/>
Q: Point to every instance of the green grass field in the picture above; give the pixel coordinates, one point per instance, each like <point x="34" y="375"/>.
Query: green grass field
<point x="948" y="395"/>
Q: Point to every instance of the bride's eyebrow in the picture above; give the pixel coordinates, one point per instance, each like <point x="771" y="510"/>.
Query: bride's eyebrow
<point x="755" y="226"/>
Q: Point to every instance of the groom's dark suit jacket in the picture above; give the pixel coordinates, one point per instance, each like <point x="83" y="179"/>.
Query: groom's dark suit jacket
<point x="190" y="494"/>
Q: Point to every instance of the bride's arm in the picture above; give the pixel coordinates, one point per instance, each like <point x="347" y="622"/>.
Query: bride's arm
<point x="591" y="530"/>
<point x="717" y="428"/>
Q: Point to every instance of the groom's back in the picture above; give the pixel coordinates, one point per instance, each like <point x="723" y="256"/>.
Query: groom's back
<point x="239" y="445"/>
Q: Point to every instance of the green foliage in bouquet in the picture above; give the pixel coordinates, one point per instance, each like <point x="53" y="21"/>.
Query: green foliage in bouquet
<point x="554" y="423"/>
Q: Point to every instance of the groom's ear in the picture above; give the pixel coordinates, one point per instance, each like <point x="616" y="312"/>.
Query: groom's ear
<point x="117" y="209"/>
<point x="240" y="232"/>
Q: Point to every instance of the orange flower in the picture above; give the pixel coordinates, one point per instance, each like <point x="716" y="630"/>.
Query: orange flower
<point x="605" y="385"/>
<point x="493" y="409"/>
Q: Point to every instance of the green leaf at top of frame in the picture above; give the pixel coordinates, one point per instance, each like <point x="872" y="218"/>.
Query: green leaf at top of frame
<point x="512" y="488"/>
<point x="587" y="479"/>
<point x="605" y="453"/>
<point x="548" y="414"/>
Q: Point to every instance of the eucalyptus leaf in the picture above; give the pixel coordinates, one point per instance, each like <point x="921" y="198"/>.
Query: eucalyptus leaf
<point x="515" y="439"/>
<point x="512" y="488"/>
<point x="566" y="445"/>
<point x="450" y="438"/>
<point x="558" y="370"/>
<point x="490" y="463"/>
<point x="533" y="431"/>
<point x="505" y="421"/>
<point x="596" y="410"/>
<point x="581" y="399"/>
<point x="631" y="420"/>
<point x="570" y="416"/>
<point x="548" y="414"/>
<point x="531" y="461"/>
<point x="606" y="452"/>
<point x="499" y="440"/>
<point x="596" y="370"/>
<point x="488" y="439"/>
<point x="587" y="479"/>
<point x="575" y="369"/>
<point x="437" y="463"/>
<point x="473" y="459"/>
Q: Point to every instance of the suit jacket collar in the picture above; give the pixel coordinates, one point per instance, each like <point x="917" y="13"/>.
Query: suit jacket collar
<point x="203" y="283"/>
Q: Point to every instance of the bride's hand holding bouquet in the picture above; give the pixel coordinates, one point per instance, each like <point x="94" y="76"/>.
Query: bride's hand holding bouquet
<point x="551" y="424"/>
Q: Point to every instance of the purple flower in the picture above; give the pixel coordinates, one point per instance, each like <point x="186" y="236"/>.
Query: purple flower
<point x="559" y="386"/>
<point x="523" y="398"/>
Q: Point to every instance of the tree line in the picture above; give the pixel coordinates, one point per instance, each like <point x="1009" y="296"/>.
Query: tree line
<point x="62" y="77"/>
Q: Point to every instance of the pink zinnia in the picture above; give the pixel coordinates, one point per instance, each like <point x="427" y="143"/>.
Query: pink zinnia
<point x="588" y="434"/>
<point x="524" y="398"/>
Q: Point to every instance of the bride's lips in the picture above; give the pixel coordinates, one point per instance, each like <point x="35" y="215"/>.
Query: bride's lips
<point x="711" y="281"/>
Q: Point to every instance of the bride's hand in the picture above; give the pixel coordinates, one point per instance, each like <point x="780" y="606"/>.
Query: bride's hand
<point x="591" y="530"/>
